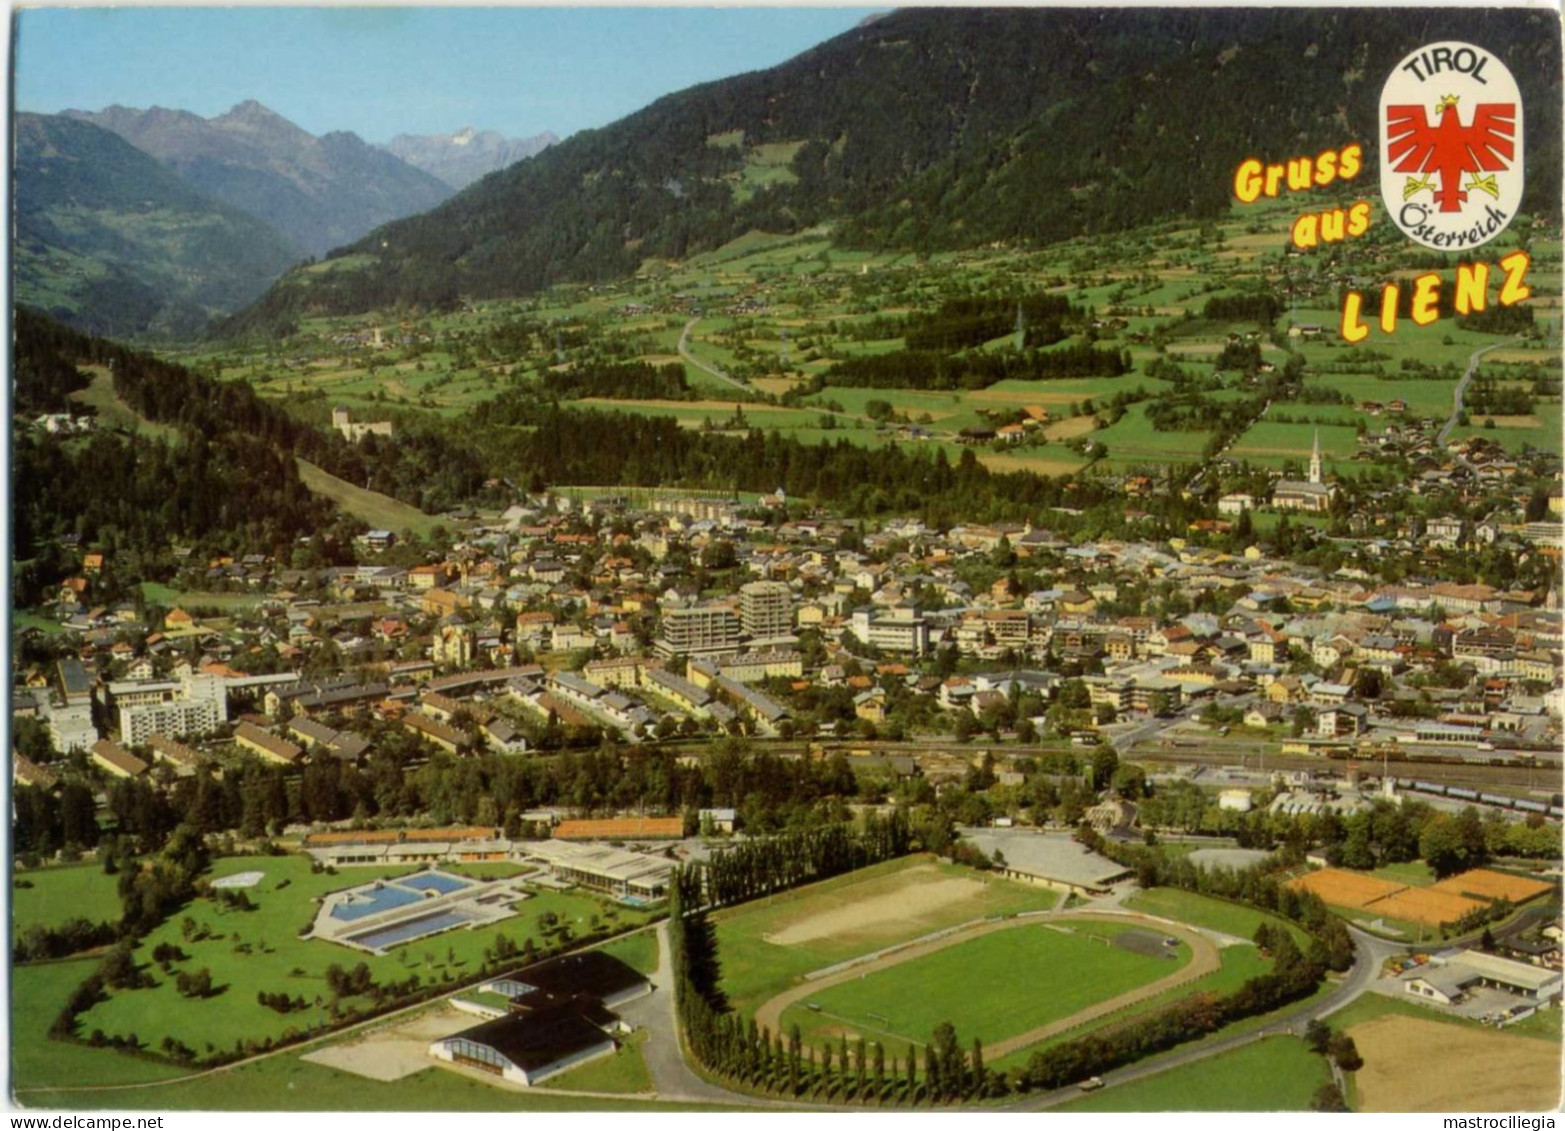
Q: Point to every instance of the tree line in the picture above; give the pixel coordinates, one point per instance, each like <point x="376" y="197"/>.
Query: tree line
<point x="913" y="368"/>
<point x="736" y="1048"/>
<point x="968" y="321"/>
<point x="762" y="866"/>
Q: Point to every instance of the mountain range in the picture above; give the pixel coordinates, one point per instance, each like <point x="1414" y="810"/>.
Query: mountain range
<point x="461" y="158"/>
<point x="110" y="240"/>
<point x="319" y="192"/>
<point x="936" y="128"/>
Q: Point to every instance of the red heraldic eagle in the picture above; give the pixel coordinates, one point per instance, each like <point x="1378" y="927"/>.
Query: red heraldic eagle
<point x="1451" y="149"/>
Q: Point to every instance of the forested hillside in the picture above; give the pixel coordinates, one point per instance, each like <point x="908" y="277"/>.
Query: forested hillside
<point x="230" y="483"/>
<point x="935" y="128"/>
<point x="109" y="240"/>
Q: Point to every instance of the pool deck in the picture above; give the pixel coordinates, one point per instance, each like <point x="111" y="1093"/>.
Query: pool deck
<point x="380" y="909"/>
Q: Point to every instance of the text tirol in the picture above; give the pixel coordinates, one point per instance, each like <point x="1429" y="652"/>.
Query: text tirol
<point x="1470" y="294"/>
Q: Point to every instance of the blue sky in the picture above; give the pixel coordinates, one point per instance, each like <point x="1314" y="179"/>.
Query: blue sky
<point x="384" y="71"/>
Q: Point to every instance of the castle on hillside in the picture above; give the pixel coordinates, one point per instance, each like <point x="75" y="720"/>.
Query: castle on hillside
<point x="355" y="432"/>
<point x="1312" y="495"/>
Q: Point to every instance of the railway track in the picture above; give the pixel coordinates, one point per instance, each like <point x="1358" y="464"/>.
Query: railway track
<point x="1545" y="776"/>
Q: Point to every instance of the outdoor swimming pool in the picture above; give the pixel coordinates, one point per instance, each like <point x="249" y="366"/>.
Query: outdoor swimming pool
<point x="411" y="929"/>
<point x="373" y="902"/>
<point x="434" y="881"/>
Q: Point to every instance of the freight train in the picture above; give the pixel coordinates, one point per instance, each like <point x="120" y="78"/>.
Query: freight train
<point x="1555" y="808"/>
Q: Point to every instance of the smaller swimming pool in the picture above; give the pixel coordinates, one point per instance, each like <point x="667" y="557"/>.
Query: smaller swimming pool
<point x="371" y="901"/>
<point x="433" y="881"/>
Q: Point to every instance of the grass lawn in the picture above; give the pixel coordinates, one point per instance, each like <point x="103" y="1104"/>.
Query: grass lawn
<point x="286" y="1083"/>
<point x="624" y="1072"/>
<point x="639" y="951"/>
<point x="79" y="891"/>
<point x="1134" y="438"/>
<point x="1514" y="437"/>
<point x="755" y="969"/>
<point x="1214" y="914"/>
<point x="21" y="621"/>
<point x="1239" y="965"/>
<point x="1274" y="443"/>
<point x="1543" y="1025"/>
<point x="381" y="512"/>
<point x="157" y="593"/>
<point x="1277" y="1074"/>
<point x="974" y="985"/>
<point x="38" y="993"/>
<point x="249" y="951"/>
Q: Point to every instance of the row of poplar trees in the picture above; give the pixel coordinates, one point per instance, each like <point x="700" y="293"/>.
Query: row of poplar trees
<point x="740" y="1051"/>
<point x="754" y="868"/>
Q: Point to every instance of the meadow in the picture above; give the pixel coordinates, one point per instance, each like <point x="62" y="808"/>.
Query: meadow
<point x="1275" y="1074"/>
<point x="53" y="895"/>
<point x="38" y="993"/>
<point x="623" y="1072"/>
<point x="114" y="412"/>
<point x="1214" y="914"/>
<point x="378" y="511"/>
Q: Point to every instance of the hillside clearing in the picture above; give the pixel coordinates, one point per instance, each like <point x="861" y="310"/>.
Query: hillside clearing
<point x="381" y="512"/>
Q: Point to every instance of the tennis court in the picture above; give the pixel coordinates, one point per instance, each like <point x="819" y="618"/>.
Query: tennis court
<point x="1481" y="883"/>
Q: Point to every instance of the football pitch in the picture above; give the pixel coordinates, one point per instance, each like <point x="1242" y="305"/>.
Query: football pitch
<point x="991" y="987"/>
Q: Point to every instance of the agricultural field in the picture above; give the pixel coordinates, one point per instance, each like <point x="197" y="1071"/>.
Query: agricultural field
<point x="1276" y="1074"/>
<point x="1418" y="1060"/>
<point x="766" y="946"/>
<point x="777" y="311"/>
<point x="1273" y="444"/>
<point x="1407" y="902"/>
<point x="250" y="951"/>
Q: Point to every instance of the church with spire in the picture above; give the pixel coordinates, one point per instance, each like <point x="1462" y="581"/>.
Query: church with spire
<point x="1313" y="495"/>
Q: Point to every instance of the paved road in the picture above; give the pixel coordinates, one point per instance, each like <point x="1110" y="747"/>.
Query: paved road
<point x="1461" y="389"/>
<point x="703" y="366"/>
<point x="672" y="1078"/>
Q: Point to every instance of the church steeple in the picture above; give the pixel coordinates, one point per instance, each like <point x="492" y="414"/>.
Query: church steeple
<point x="1315" y="475"/>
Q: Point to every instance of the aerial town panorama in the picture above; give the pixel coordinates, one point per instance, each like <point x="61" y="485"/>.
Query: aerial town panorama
<point x="913" y="578"/>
